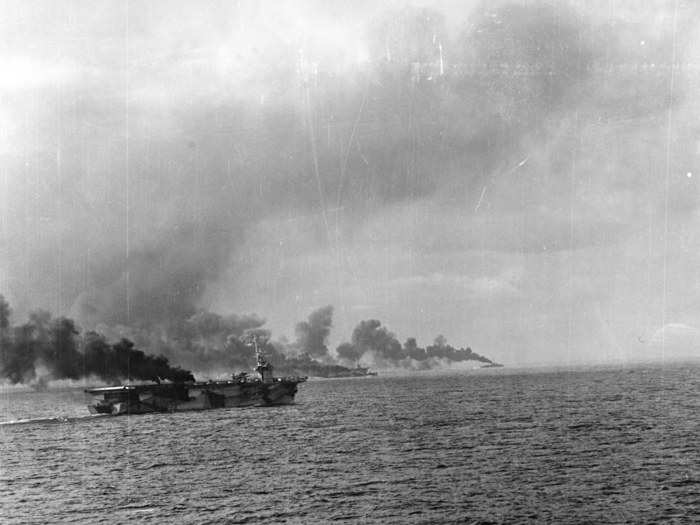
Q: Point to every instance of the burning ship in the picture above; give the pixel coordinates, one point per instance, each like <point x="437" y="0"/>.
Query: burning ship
<point x="240" y="391"/>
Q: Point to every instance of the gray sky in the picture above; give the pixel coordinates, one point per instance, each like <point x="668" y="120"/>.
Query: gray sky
<point x="530" y="190"/>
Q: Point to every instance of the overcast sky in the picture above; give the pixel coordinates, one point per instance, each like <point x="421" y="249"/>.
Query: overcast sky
<point x="520" y="177"/>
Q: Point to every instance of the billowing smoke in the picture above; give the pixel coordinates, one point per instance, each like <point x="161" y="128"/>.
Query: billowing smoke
<point x="122" y="361"/>
<point x="216" y="345"/>
<point x="136" y="190"/>
<point x="312" y="334"/>
<point x="55" y="345"/>
<point x="374" y="342"/>
<point x="207" y="342"/>
<point x="199" y="178"/>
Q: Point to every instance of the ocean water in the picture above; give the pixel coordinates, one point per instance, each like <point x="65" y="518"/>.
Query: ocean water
<point x="493" y="446"/>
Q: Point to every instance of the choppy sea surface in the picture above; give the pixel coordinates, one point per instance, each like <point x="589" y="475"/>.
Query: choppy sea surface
<point x="493" y="446"/>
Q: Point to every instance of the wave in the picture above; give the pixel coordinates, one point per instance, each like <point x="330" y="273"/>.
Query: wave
<point x="51" y="420"/>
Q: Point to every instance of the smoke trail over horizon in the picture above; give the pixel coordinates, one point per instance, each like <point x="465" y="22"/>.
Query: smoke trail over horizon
<point x="44" y="349"/>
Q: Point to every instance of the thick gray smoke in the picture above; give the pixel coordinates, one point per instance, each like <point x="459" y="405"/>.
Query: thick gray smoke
<point x="137" y="189"/>
<point x="372" y="340"/>
<point x="206" y="342"/>
<point x="312" y="335"/>
<point x="185" y="195"/>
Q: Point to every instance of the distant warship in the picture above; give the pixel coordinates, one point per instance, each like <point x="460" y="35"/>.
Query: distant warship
<point x="240" y="391"/>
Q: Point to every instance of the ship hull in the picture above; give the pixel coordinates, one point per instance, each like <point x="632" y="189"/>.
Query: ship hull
<point x="144" y="399"/>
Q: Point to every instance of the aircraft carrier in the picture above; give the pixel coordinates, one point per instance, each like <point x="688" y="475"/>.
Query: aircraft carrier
<point x="240" y="391"/>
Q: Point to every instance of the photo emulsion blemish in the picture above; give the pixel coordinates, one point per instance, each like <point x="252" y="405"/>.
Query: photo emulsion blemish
<point x="334" y="261"/>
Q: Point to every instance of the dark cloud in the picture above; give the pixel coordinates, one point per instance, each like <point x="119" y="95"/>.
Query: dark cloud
<point x="141" y="170"/>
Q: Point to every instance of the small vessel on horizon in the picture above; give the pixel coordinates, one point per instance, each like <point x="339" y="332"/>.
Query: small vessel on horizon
<point x="240" y="391"/>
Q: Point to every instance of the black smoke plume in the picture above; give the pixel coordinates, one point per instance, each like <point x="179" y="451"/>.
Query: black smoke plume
<point x="207" y="342"/>
<point x="370" y="338"/>
<point x="56" y="345"/>
<point x="313" y="333"/>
